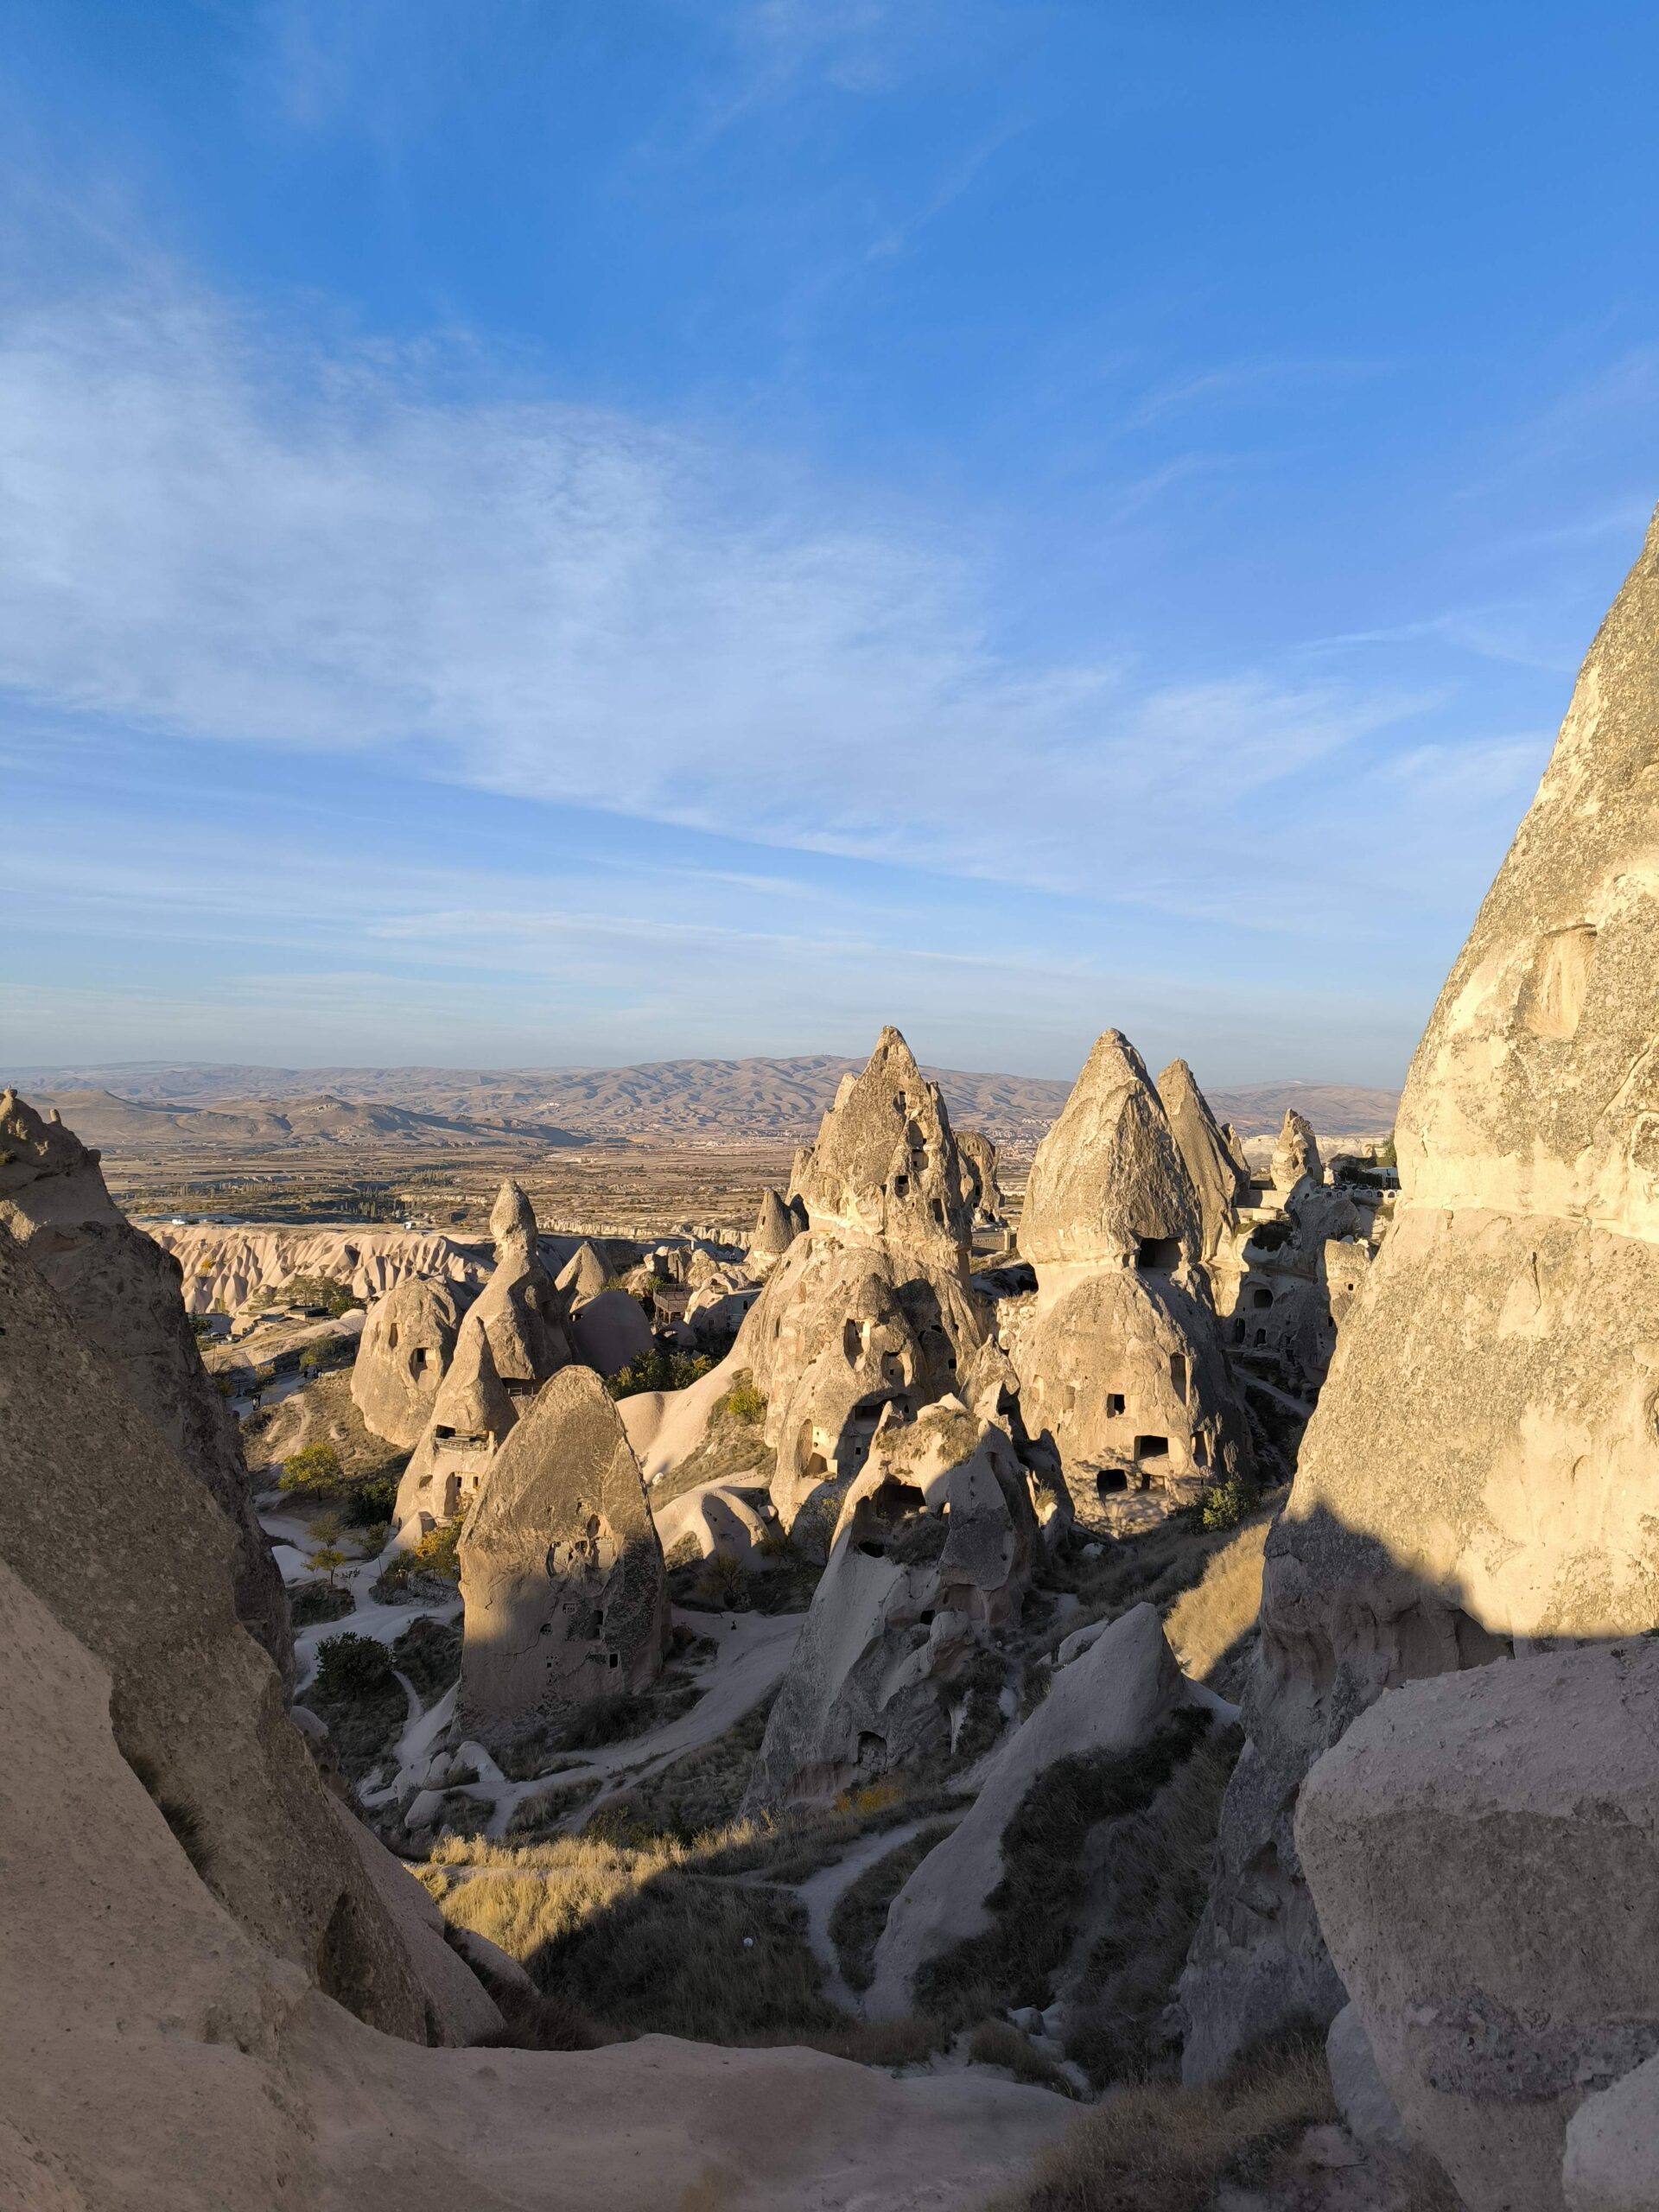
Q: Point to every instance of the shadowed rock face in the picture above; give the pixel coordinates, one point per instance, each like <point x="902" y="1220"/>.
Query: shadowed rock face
<point x="124" y="1294"/>
<point x="103" y="1522"/>
<point x="561" y="1569"/>
<point x="1107" y="1180"/>
<point x="1211" y="1168"/>
<point x="933" y="1550"/>
<point x="978" y="1156"/>
<point x="885" y="1164"/>
<point x="1484" y="1460"/>
<point x="408" y="1342"/>
<point x="1481" y="1849"/>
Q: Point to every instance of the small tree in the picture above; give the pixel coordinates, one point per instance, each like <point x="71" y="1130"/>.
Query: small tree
<point x="314" y="1472"/>
<point x="328" y="1558"/>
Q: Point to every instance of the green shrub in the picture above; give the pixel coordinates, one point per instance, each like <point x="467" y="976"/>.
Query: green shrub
<point x="314" y="1473"/>
<point x="660" y="1369"/>
<point x="725" y="1584"/>
<point x="1225" y="1505"/>
<point x="372" y="1501"/>
<point x="744" y="1402"/>
<point x="350" y="1667"/>
<point x="436" y="1555"/>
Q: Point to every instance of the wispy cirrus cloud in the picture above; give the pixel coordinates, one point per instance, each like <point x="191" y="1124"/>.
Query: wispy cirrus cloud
<point x="210" y="533"/>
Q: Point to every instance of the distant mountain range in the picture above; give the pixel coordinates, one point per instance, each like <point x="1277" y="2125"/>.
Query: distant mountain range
<point x="144" y="1105"/>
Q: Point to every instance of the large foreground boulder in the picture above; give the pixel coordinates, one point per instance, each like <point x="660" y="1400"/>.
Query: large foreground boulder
<point x="1612" y="2147"/>
<point x="1113" y="1698"/>
<point x="100" y="1520"/>
<point x="123" y="1293"/>
<point x="561" y="1569"/>
<point x="1483" y="1464"/>
<point x="1484" y="1853"/>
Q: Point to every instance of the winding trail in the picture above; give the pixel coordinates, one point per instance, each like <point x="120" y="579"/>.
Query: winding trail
<point x="821" y="1892"/>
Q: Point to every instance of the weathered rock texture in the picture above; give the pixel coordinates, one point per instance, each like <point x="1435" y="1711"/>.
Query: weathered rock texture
<point x="1118" y="1355"/>
<point x="1211" y="1170"/>
<point x="122" y="1293"/>
<point x="1296" y="1153"/>
<point x="610" y="1332"/>
<point x="775" y="1230"/>
<point x="1484" y="1853"/>
<point x="1612" y="2147"/>
<point x="561" y="1570"/>
<point x="1485" y="1461"/>
<point x="171" y="2046"/>
<point x="884" y="1165"/>
<point x="104" y="1524"/>
<point x="583" y="1275"/>
<point x="408" y="1342"/>
<point x="978" y="1157"/>
<point x="230" y="1267"/>
<point x="840" y="1333"/>
<point x="512" y="1339"/>
<point x="1112" y="1697"/>
<point x="1108" y="1186"/>
<point x="932" y="1553"/>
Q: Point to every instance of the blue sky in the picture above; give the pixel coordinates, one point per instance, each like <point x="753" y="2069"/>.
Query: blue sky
<point x="539" y="531"/>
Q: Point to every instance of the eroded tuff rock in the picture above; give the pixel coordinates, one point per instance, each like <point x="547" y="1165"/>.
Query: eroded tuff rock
<point x="1482" y="1850"/>
<point x="123" y="1293"/>
<point x="1107" y="1186"/>
<point x="102" y="1524"/>
<point x="884" y="1165"/>
<point x="978" y="1157"/>
<point x="1118" y="1354"/>
<point x="610" y="1332"/>
<point x="561" y="1569"/>
<point x="233" y="1267"/>
<point x="840" y="1333"/>
<point x="932" y="1553"/>
<point x="1296" y="1153"/>
<point x="1112" y="1697"/>
<point x="775" y="1230"/>
<point x="583" y="1275"/>
<point x="171" y="2045"/>
<point x="1485" y="1461"/>
<point x="407" y="1343"/>
<point x="1211" y="1170"/>
<point x="512" y="1339"/>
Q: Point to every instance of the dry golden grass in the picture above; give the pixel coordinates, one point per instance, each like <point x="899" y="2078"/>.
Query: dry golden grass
<point x="1206" y="1622"/>
<point x="1162" y="2149"/>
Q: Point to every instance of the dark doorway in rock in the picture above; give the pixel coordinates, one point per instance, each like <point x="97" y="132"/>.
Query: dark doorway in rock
<point x="1158" y="1255"/>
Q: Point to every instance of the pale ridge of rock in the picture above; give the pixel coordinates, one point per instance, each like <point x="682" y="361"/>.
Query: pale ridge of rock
<point x="1483" y="1464"/>
<point x="775" y="1228"/>
<point x="884" y="1165"/>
